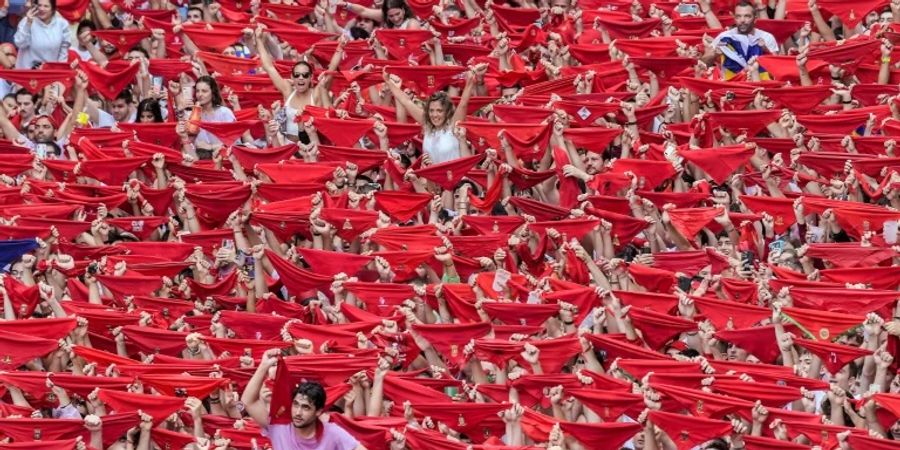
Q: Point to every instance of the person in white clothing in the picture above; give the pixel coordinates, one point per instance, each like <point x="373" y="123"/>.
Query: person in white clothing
<point x="438" y="117"/>
<point x="44" y="36"/>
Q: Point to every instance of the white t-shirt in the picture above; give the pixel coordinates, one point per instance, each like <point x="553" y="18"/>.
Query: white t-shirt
<point x="749" y="44"/>
<point x="220" y="114"/>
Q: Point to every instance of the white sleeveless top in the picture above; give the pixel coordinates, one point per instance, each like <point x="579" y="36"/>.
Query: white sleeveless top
<point x="441" y="146"/>
<point x="292" y="128"/>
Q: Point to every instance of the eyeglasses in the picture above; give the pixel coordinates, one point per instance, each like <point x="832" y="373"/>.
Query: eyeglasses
<point x="302" y="75"/>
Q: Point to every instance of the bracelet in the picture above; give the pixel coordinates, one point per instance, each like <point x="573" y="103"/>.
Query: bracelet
<point x="631" y="123"/>
<point x="569" y="323"/>
<point x="885" y="59"/>
<point x="847" y="102"/>
<point x="705" y="12"/>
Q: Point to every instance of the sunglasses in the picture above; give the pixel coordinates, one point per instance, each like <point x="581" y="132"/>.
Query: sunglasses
<point x="302" y="75"/>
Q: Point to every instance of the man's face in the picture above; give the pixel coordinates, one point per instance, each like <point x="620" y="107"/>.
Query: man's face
<point x="303" y="412"/>
<point x="744" y="19"/>
<point x="366" y="24"/>
<point x="26" y="105"/>
<point x="43" y="131"/>
<point x="509" y="94"/>
<point x="593" y="163"/>
<point x="120" y="110"/>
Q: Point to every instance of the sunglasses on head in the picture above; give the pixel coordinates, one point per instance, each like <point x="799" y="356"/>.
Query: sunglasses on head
<point x="302" y="74"/>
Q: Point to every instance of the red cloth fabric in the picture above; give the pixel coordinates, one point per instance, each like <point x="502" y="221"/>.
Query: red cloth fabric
<point x="401" y="206"/>
<point x="123" y="40"/>
<point x="851" y="14"/>
<point x="160" y="407"/>
<point x="16" y="349"/>
<point x="701" y="403"/>
<point x="720" y="313"/>
<point x="608" y="405"/>
<point x="686" y="431"/>
<point x="656" y="328"/>
<point x="212" y="37"/>
<point x="36" y="80"/>
<point x="718" y="162"/>
<point x="448" y="174"/>
<point x="29" y="430"/>
<point x="758" y="341"/>
<point x="613" y="434"/>
<point x="426" y="80"/>
<point x="449" y="340"/>
<point x="153" y="340"/>
<point x="799" y="99"/>
<point x="108" y="83"/>
<point x="689" y="222"/>
<point x="403" y="44"/>
<point x="342" y="132"/>
<point x="823" y="324"/>
<point x="332" y="263"/>
<point x="227" y="65"/>
<point x="833" y="356"/>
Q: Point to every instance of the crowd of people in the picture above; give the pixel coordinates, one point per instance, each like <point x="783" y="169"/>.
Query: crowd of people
<point x="437" y="224"/>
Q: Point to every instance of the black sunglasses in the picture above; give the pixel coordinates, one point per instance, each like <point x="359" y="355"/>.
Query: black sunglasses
<point x="303" y="75"/>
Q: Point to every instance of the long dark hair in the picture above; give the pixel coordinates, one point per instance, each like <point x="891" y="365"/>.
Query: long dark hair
<point x="213" y="89"/>
<point x="151" y="106"/>
<point x="391" y="4"/>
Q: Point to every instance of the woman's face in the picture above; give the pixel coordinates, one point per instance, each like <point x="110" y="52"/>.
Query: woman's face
<point x="202" y="94"/>
<point x="146" y="117"/>
<point x="10" y="104"/>
<point x="302" y="77"/>
<point x="436" y="114"/>
<point x="396" y="16"/>
<point x="44" y="10"/>
<point x="229" y="51"/>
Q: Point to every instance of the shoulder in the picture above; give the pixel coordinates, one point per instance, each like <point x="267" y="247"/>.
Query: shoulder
<point x="338" y="433"/>
<point x="333" y="428"/>
<point x="225" y="112"/>
<point x="275" y="429"/>
<point x="728" y="33"/>
<point x="60" y="21"/>
<point x="764" y="35"/>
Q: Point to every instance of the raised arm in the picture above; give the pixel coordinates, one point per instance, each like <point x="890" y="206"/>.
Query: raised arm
<point x="253" y="404"/>
<point x="473" y="76"/>
<point x="265" y="59"/>
<point x="394" y="83"/>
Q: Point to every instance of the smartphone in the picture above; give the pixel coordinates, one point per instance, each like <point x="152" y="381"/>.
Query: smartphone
<point x="687" y="9"/>
<point x="40" y="151"/>
<point x="729" y="96"/>
<point x="158" y="83"/>
<point x="187" y="92"/>
<point x="684" y="283"/>
<point x="747" y="261"/>
<point x="227" y="243"/>
<point x="777" y="245"/>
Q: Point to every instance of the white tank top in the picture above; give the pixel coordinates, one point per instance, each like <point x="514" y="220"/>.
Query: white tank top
<point x="292" y="128"/>
<point x="441" y="146"/>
